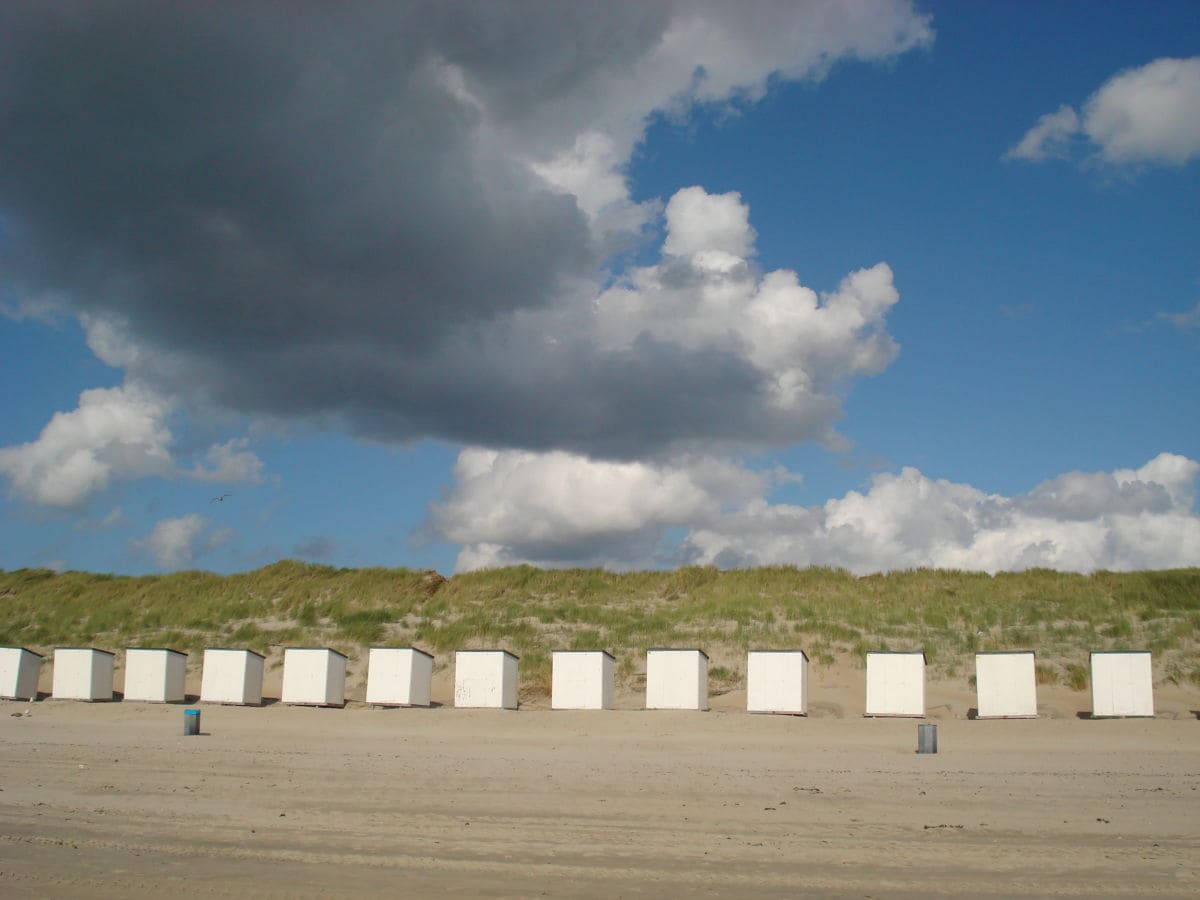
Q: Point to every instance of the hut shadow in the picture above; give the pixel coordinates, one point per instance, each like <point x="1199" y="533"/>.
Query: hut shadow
<point x="1195" y="712"/>
<point x="973" y="713"/>
<point x="1084" y="714"/>
<point x="190" y="699"/>
<point x="118" y="696"/>
<point x="268" y="701"/>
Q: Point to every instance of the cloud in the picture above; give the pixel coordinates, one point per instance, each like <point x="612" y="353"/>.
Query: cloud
<point x="553" y="510"/>
<point x="1076" y="522"/>
<point x="230" y="462"/>
<point x="172" y="543"/>
<point x="699" y="222"/>
<point x="1050" y="138"/>
<point x="735" y="356"/>
<point x="115" y="432"/>
<point x="1145" y="115"/>
<point x="397" y="218"/>
<point x="517" y="506"/>
<point x="1151" y="114"/>
<point x="118" y="433"/>
<point x="1184" y="321"/>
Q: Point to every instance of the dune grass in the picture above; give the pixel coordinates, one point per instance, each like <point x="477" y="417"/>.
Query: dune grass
<point x="827" y="612"/>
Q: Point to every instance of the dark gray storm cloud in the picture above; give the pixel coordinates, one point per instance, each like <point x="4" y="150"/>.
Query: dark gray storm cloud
<point x="335" y="211"/>
<point x="232" y="178"/>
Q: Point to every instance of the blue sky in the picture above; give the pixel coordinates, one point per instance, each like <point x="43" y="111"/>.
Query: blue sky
<point x="576" y="286"/>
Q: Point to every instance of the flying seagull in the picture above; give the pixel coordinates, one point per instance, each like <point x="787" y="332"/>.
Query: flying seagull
<point x="220" y="499"/>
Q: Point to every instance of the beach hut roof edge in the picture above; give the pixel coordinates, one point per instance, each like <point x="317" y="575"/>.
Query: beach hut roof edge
<point x="484" y="650"/>
<point x="27" y="650"/>
<point x="677" y="650"/>
<point x="237" y="650"/>
<point x="801" y="652"/>
<point x="1003" y="652"/>
<point x="920" y="653"/>
<point x="326" y="649"/>
<point x="93" y="649"/>
<point x="1117" y="652"/>
<point x="413" y="649"/>
<point x="158" y="650"/>
<point x="605" y="652"/>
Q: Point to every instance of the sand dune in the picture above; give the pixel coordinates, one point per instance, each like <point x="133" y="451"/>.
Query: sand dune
<point x="111" y="800"/>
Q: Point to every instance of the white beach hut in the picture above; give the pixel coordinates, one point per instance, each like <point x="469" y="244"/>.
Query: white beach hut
<point x="19" y="671"/>
<point x="895" y="684"/>
<point x="155" y="675"/>
<point x="82" y="673"/>
<point x="314" y="676"/>
<point x="232" y="676"/>
<point x="399" y="676"/>
<point x="485" y="678"/>
<point x="1122" y="683"/>
<point x="777" y="682"/>
<point x="582" y="679"/>
<point x="1006" y="685"/>
<point x="676" y="679"/>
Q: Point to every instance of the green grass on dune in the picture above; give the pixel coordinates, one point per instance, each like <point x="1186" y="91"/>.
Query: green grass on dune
<point x="827" y="612"/>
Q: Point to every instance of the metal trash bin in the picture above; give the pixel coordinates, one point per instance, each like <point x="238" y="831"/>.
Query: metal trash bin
<point x="191" y="721"/>
<point x="927" y="739"/>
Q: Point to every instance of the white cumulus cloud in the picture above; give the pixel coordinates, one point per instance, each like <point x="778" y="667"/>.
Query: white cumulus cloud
<point x="1150" y="114"/>
<point x="172" y="543"/>
<point x="1050" y="138"/>
<point x="230" y="462"/>
<point x="700" y="222"/>
<point x="559" y="509"/>
<point x="114" y="434"/>
<point x="1128" y="519"/>
<point x="705" y="298"/>
<point x="118" y="432"/>
<point x="518" y="506"/>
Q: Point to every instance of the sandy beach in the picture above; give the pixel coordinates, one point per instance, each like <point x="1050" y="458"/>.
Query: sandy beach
<point x="110" y="799"/>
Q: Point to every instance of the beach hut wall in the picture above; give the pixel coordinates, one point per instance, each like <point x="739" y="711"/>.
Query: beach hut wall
<point x="582" y="679"/>
<point x="485" y="679"/>
<point x="314" y="676"/>
<point x="82" y="673"/>
<point x="155" y="675"/>
<point x="777" y="682"/>
<point x="676" y="679"/>
<point x="232" y="676"/>
<point x="399" y="676"/>
<point x="895" y="684"/>
<point x="1006" y="685"/>
<point x="19" y="672"/>
<point x="1122" y="683"/>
